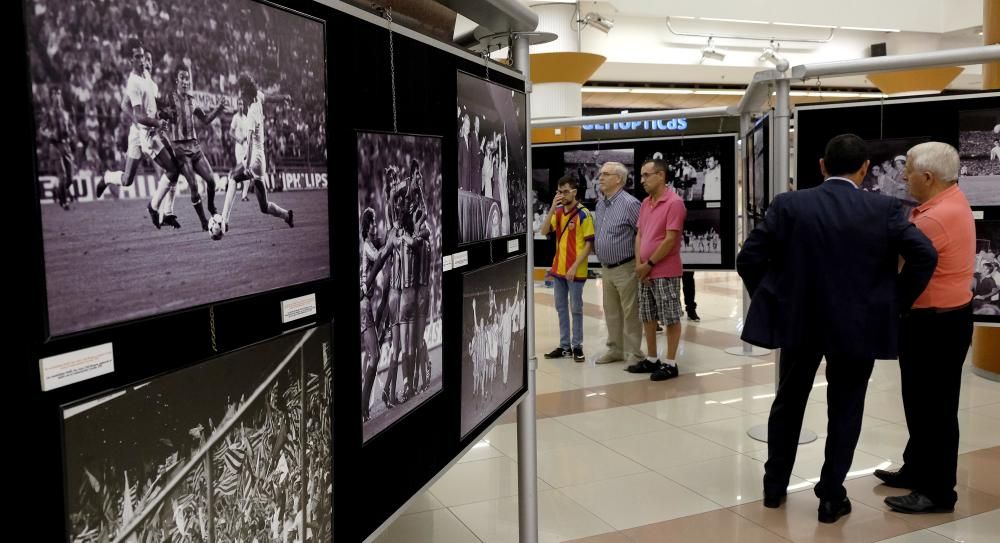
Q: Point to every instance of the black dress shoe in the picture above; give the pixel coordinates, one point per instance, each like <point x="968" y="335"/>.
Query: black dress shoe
<point x="915" y="503"/>
<point x="831" y="510"/>
<point x="774" y="501"/>
<point x="894" y="479"/>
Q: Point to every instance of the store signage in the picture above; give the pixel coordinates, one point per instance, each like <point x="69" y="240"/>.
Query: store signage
<point x="658" y="124"/>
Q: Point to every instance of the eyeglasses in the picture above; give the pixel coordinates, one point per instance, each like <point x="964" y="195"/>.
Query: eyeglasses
<point x="650" y="174"/>
<point x="567" y="191"/>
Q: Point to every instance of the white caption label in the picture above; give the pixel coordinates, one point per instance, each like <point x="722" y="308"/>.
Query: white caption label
<point x="710" y="205"/>
<point x="978" y="215"/>
<point x="513" y="245"/>
<point x="446" y="263"/>
<point x="298" y="308"/>
<point x="68" y="368"/>
<point x="460" y="259"/>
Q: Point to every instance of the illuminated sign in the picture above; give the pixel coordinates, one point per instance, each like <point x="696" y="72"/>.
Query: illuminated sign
<point x="659" y="124"/>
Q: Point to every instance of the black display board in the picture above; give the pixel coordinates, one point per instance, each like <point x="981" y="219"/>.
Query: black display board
<point x="374" y="478"/>
<point x="707" y="216"/>
<point x="961" y="120"/>
<point x="371" y="480"/>
<point x="758" y="163"/>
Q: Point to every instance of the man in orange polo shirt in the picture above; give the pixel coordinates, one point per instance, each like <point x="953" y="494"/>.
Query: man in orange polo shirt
<point x="935" y="335"/>
<point x="572" y="226"/>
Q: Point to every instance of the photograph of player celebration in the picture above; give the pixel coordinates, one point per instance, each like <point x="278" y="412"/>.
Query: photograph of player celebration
<point x="694" y="168"/>
<point x="760" y="172"/>
<point x="542" y="194"/>
<point x="492" y="160"/>
<point x="237" y="448"/>
<point x="885" y="174"/>
<point x="174" y="138"/>
<point x="585" y="166"/>
<point x="986" y="277"/>
<point x="399" y="213"/>
<point x="493" y="332"/>
<point x="979" y="152"/>
<point x="701" y="242"/>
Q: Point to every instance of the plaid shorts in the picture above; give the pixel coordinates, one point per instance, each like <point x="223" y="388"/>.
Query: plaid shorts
<point x="660" y="300"/>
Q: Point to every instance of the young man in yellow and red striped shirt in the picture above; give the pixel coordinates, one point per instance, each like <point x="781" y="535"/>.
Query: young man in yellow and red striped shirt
<point x="572" y="226"/>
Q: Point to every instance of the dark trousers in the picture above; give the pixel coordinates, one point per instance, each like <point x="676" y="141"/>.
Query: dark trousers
<point x="687" y="285"/>
<point x="848" y="381"/>
<point x="932" y="350"/>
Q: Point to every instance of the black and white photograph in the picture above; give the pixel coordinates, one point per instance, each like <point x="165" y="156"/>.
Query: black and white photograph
<point x="399" y="215"/>
<point x="542" y="193"/>
<point x="237" y="448"/>
<point x="986" y="276"/>
<point x="694" y="166"/>
<point x="979" y="154"/>
<point x="585" y="166"/>
<point x="885" y="174"/>
<point x="493" y="333"/>
<point x="701" y="241"/>
<point x="760" y="167"/>
<point x="141" y="205"/>
<point x="492" y="160"/>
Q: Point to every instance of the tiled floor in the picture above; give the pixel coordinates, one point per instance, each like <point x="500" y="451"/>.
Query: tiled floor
<point x="625" y="460"/>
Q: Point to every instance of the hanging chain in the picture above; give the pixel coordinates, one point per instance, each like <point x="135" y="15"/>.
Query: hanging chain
<point x="211" y="327"/>
<point x="386" y="13"/>
<point x="486" y="61"/>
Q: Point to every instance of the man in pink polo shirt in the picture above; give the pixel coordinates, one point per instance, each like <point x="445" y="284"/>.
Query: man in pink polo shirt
<point x="658" y="267"/>
<point x="935" y="335"/>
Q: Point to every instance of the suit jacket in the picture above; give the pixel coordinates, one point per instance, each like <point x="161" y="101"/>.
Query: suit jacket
<point x="822" y="271"/>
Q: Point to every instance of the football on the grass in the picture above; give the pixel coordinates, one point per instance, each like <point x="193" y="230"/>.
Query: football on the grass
<point x="215" y="227"/>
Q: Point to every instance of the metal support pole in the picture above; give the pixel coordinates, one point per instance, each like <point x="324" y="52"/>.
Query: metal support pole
<point x="527" y="469"/>
<point x="303" y="443"/>
<point x="745" y="349"/>
<point x="779" y="184"/>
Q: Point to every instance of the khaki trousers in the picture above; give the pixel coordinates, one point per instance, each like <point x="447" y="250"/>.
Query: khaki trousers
<point x="621" y="312"/>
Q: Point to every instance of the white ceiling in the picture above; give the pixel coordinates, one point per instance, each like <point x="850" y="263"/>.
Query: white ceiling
<point x="642" y="49"/>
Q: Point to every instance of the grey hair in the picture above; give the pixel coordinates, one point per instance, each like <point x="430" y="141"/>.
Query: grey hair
<point x="618" y="169"/>
<point x="937" y="158"/>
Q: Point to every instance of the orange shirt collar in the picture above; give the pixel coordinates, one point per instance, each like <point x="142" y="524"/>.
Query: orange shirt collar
<point x="940" y="197"/>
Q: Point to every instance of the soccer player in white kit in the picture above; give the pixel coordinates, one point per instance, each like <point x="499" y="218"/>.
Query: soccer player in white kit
<point x="254" y="167"/>
<point x="144" y="134"/>
<point x="238" y="131"/>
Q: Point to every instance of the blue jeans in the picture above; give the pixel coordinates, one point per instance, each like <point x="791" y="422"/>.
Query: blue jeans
<point x="574" y="291"/>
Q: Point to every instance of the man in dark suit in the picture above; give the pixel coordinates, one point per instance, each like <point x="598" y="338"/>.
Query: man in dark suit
<point x="822" y="273"/>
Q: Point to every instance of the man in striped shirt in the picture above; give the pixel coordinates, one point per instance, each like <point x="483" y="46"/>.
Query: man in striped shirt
<point x="614" y="242"/>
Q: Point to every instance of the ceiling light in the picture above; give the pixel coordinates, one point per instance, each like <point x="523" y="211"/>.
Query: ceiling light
<point x="721" y="92"/>
<point x="710" y="53"/>
<point x="654" y="90"/>
<point x="598" y="21"/>
<point x="804" y="25"/>
<point x="745" y="21"/>
<point x="770" y="53"/>
<point x="863" y="29"/>
<point x="683" y="17"/>
<point x="606" y="89"/>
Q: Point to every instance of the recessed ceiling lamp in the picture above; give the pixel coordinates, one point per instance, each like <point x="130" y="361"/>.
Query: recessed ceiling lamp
<point x="710" y="53"/>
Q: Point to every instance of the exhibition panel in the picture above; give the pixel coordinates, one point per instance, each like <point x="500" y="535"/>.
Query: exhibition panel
<point x="184" y="386"/>
<point x="969" y="122"/>
<point x="700" y="169"/>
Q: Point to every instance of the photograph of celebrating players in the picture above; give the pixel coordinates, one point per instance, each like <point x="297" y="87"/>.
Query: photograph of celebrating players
<point x="493" y="333"/>
<point x="137" y="105"/>
<point x="399" y="217"/>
